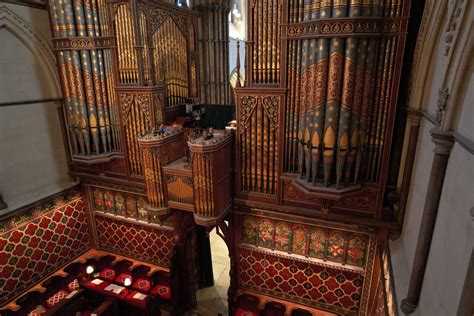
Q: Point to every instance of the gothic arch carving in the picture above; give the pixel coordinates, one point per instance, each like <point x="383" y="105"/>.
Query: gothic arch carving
<point x="430" y="32"/>
<point x="34" y="41"/>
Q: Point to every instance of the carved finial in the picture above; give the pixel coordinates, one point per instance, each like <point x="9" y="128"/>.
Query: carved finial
<point x="443" y="95"/>
<point x="238" y="84"/>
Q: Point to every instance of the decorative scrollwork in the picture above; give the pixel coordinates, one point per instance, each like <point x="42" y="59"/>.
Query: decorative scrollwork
<point x="247" y="105"/>
<point x="79" y="43"/>
<point x="270" y="104"/>
<point x="126" y="100"/>
<point x="350" y="27"/>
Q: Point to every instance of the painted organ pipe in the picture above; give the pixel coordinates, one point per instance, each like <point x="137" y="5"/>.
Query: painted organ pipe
<point x="213" y="40"/>
<point x="81" y="40"/>
<point x="264" y="41"/>
<point x="338" y="96"/>
<point x="126" y="41"/>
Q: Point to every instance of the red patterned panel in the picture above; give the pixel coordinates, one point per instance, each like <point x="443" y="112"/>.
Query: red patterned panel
<point x="300" y="281"/>
<point x="38" y="247"/>
<point x="134" y="240"/>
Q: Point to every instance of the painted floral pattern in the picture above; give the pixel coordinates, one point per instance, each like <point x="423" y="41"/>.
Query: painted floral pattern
<point x="249" y="231"/>
<point x="142" y="209"/>
<point x="98" y="200"/>
<point x="120" y="204"/>
<point x="336" y="247"/>
<point x="318" y="242"/>
<point x="282" y="236"/>
<point x="299" y="240"/>
<point x="356" y="250"/>
<point x="109" y="201"/>
<point x="265" y="233"/>
<point x="131" y="206"/>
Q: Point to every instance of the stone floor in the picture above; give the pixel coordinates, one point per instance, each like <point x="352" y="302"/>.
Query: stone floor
<point x="213" y="300"/>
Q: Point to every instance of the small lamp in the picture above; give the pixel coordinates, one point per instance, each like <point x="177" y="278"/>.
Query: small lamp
<point x="127" y="281"/>
<point x="89" y="271"/>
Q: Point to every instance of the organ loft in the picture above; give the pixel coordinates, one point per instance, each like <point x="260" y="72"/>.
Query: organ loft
<point x="238" y="157"/>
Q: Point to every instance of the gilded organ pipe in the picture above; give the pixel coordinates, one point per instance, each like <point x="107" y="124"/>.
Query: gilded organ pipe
<point x="85" y="76"/>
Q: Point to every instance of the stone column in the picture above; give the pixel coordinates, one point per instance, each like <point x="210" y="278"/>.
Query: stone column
<point x="414" y="121"/>
<point x="213" y="35"/>
<point x="443" y="143"/>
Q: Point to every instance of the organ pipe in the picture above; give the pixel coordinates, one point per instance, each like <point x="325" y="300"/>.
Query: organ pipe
<point x="86" y="74"/>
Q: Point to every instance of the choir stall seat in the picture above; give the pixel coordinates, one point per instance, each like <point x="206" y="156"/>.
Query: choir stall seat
<point x="56" y="290"/>
<point x="141" y="281"/>
<point x="29" y="303"/>
<point x="122" y="271"/>
<point x="246" y="305"/>
<point x="274" y="309"/>
<point x="300" y="312"/>
<point x="107" y="308"/>
<point x="161" y="282"/>
<point x="104" y="266"/>
<point x="75" y="273"/>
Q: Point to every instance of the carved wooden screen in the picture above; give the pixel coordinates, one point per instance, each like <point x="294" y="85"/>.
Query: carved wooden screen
<point x="82" y="39"/>
<point x="259" y="150"/>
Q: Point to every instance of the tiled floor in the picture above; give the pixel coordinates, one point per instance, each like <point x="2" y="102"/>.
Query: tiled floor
<point x="213" y="300"/>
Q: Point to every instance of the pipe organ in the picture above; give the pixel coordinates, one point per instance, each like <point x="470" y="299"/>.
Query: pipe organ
<point x="328" y="74"/>
<point x="301" y="196"/>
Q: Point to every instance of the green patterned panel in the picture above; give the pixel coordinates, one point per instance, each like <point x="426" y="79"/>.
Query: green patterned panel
<point x="131" y="206"/>
<point x="282" y="236"/>
<point x="299" y="240"/>
<point x="336" y="246"/>
<point x="357" y="250"/>
<point x="317" y="246"/>
<point x="98" y="200"/>
<point x="109" y="202"/>
<point x="265" y="233"/>
<point x="249" y="230"/>
<point x="120" y="204"/>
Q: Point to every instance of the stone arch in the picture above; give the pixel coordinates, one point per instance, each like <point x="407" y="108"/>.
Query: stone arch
<point x="431" y="29"/>
<point x="34" y="41"/>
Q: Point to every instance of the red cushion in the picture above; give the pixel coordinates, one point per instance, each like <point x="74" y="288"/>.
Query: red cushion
<point x="243" y="312"/>
<point x="107" y="274"/>
<point x="120" y="279"/>
<point x="101" y="288"/>
<point x="143" y="285"/>
<point x="37" y="311"/>
<point x="137" y="302"/>
<point x="53" y="300"/>
<point x="73" y="285"/>
<point x="162" y="290"/>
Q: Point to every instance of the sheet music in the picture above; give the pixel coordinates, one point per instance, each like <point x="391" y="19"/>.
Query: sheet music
<point x="97" y="281"/>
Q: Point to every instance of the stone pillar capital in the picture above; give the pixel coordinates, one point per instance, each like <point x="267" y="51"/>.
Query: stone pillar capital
<point x="443" y="141"/>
